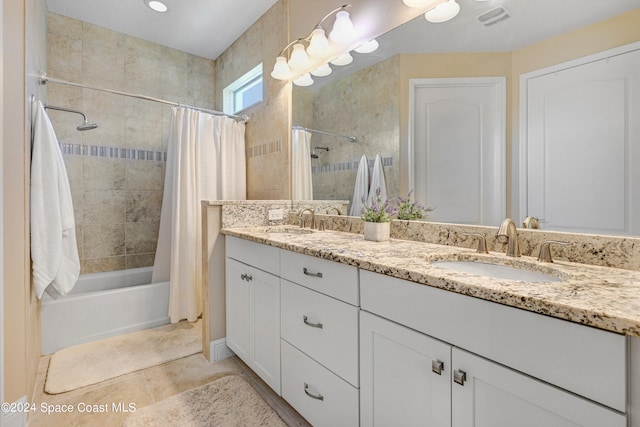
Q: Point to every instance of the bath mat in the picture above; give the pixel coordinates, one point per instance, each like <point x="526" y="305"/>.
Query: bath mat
<point x="97" y="361"/>
<point x="227" y="402"/>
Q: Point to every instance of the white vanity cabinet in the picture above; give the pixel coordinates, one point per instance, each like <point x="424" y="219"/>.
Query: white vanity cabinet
<point x="320" y="339"/>
<point x="253" y="307"/>
<point x="546" y="367"/>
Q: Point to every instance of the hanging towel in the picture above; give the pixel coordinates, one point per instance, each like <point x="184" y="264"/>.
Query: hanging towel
<point x="362" y="187"/>
<point x="301" y="165"/>
<point x="54" y="251"/>
<point x="377" y="181"/>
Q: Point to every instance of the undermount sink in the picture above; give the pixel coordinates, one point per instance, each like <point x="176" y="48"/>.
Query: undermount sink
<point x="519" y="271"/>
<point x="288" y="230"/>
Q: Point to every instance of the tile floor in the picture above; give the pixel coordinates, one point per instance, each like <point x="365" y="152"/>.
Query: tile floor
<point x="143" y="388"/>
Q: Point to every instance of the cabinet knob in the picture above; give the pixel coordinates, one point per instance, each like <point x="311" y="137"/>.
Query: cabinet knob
<point x="305" y="319"/>
<point x="308" y="273"/>
<point x="311" y="395"/>
<point x="459" y="376"/>
<point x="437" y="366"/>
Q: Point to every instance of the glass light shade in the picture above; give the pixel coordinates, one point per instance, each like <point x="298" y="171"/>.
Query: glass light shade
<point x="344" y="59"/>
<point x="343" y="31"/>
<point x="281" y="70"/>
<point x="299" y="59"/>
<point x="303" y="80"/>
<point x="323" y="70"/>
<point x="318" y="45"/>
<point x="417" y="3"/>
<point x="443" y="12"/>
<point x="367" y="47"/>
<point x="156" y="5"/>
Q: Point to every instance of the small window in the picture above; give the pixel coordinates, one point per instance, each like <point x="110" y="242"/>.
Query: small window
<point x="244" y="92"/>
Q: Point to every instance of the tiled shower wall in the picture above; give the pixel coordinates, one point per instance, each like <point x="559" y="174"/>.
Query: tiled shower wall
<point x="117" y="170"/>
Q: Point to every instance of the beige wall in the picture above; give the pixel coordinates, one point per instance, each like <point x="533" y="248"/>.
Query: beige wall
<point x="118" y="200"/>
<point x="267" y="133"/>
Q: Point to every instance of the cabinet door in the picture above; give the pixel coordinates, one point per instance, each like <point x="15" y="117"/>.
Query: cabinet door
<point x="398" y="385"/>
<point x="239" y="310"/>
<point x="495" y="396"/>
<point x="266" y="321"/>
<point x="253" y="319"/>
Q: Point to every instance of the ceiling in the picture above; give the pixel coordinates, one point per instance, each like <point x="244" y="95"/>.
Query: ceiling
<point x="201" y="27"/>
<point x="208" y="27"/>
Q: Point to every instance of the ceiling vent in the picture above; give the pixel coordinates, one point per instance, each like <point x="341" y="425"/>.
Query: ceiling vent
<point x="493" y="16"/>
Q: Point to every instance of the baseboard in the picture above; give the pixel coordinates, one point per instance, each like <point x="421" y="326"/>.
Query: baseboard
<point x="15" y="419"/>
<point x="219" y="350"/>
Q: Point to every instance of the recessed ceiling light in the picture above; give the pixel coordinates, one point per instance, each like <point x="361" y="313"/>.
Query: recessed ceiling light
<point x="156" y="5"/>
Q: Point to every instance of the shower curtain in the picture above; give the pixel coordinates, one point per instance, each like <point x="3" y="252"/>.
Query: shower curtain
<point x="301" y="165"/>
<point x="205" y="161"/>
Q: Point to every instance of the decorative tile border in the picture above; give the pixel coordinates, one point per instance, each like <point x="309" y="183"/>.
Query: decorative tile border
<point x="350" y="165"/>
<point x="264" y="149"/>
<point x="112" y="152"/>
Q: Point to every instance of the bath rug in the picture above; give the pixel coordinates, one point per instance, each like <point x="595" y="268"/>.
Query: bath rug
<point x="227" y="402"/>
<point x="94" y="362"/>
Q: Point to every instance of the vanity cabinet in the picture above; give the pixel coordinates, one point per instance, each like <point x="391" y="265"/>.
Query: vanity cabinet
<point x="517" y="368"/>
<point x="253" y="307"/>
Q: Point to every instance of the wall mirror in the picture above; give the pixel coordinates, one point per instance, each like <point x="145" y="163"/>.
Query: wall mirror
<point x="370" y="98"/>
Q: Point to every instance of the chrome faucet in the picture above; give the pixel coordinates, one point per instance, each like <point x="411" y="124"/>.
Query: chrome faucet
<point x="313" y="217"/>
<point x="338" y="211"/>
<point x="508" y="229"/>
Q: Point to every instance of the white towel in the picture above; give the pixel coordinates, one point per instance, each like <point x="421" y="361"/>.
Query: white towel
<point x="362" y="187"/>
<point x="377" y="181"/>
<point x="54" y="250"/>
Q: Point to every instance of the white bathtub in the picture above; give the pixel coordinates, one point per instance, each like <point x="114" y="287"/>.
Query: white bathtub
<point x="103" y="305"/>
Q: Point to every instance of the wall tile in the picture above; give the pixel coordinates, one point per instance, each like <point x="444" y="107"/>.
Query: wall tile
<point x="103" y="174"/>
<point x="104" y="206"/>
<point x="68" y="27"/>
<point x="104" y="240"/>
<point x="141" y="237"/>
<point x="140" y="260"/>
<point x="144" y="175"/>
<point x="99" y="265"/>
<point x="143" y="206"/>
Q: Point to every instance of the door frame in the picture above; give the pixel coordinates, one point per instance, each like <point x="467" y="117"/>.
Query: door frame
<point x="523" y="145"/>
<point x="500" y="83"/>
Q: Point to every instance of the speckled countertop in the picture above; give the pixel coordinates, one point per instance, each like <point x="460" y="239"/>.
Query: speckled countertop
<point x="602" y="297"/>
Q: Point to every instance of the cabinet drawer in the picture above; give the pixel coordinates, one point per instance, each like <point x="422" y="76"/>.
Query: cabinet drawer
<point x="331" y="278"/>
<point x="587" y="361"/>
<point x="320" y="396"/>
<point x="261" y="256"/>
<point x="323" y="327"/>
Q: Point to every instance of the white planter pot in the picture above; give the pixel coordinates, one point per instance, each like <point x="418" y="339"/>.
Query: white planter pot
<point x="376" y="231"/>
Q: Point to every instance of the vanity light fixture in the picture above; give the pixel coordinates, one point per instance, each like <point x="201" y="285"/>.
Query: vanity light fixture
<point x="156" y="5"/>
<point x="319" y="48"/>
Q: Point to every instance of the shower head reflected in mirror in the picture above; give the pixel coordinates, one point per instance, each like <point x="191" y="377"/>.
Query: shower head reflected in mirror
<point x="313" y="153"/>
<point x="85" y="123"/>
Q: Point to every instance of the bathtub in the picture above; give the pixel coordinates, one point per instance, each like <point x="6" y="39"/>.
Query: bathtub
<point x="103" y="305"/>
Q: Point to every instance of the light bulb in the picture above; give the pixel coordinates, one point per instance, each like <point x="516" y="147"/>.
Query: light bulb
<point x="299" y="59"/>
<point x="443" y="12"/>
<point x="318" y="45"/>
<point x="323" y="70"/>
<point x="281" y="70"/>
<point x="367" y="47"/>
<point x="344" y="59"/>
<point x="303" y="80"/>
<point x="156" y="5"/>
<point x="343" y="31"/>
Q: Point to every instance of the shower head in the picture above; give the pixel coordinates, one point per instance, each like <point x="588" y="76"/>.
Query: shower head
<point x="87" y="126"/>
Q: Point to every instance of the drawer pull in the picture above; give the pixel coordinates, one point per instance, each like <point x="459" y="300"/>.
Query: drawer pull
<point x="311" y="395"/>
<point x="459" y="376"/>
<point x="246" y="277"/>
<point x="437" y="366"/>
<point x="308" y="273"/>
<point x="305" y="319"/>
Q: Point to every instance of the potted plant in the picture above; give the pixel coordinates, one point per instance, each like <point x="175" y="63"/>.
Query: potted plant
<point x="377" y="217"/>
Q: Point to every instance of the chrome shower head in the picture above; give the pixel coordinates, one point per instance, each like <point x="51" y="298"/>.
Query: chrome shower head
<point x="87" y="126"/>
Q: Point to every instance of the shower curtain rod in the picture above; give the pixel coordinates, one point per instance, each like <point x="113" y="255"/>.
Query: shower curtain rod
<point x="350" y="138"/>
<point x="44" y="79"/>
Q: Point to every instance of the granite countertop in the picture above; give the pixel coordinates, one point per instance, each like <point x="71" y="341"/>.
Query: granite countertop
<point x="602" y="297"/>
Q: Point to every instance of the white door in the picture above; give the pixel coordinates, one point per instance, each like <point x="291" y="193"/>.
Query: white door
<point x="458" y="148"/>
<point x="583" y="146"/>
<point x="492" y="395"/>
<point x="398" y="385"/>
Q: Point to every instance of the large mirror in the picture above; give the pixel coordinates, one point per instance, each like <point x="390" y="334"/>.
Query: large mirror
<point x="370" y="98"/>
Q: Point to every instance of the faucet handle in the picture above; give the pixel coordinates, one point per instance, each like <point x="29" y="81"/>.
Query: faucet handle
<point x="545" y="250"/>
<point x="482" y="242"/>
